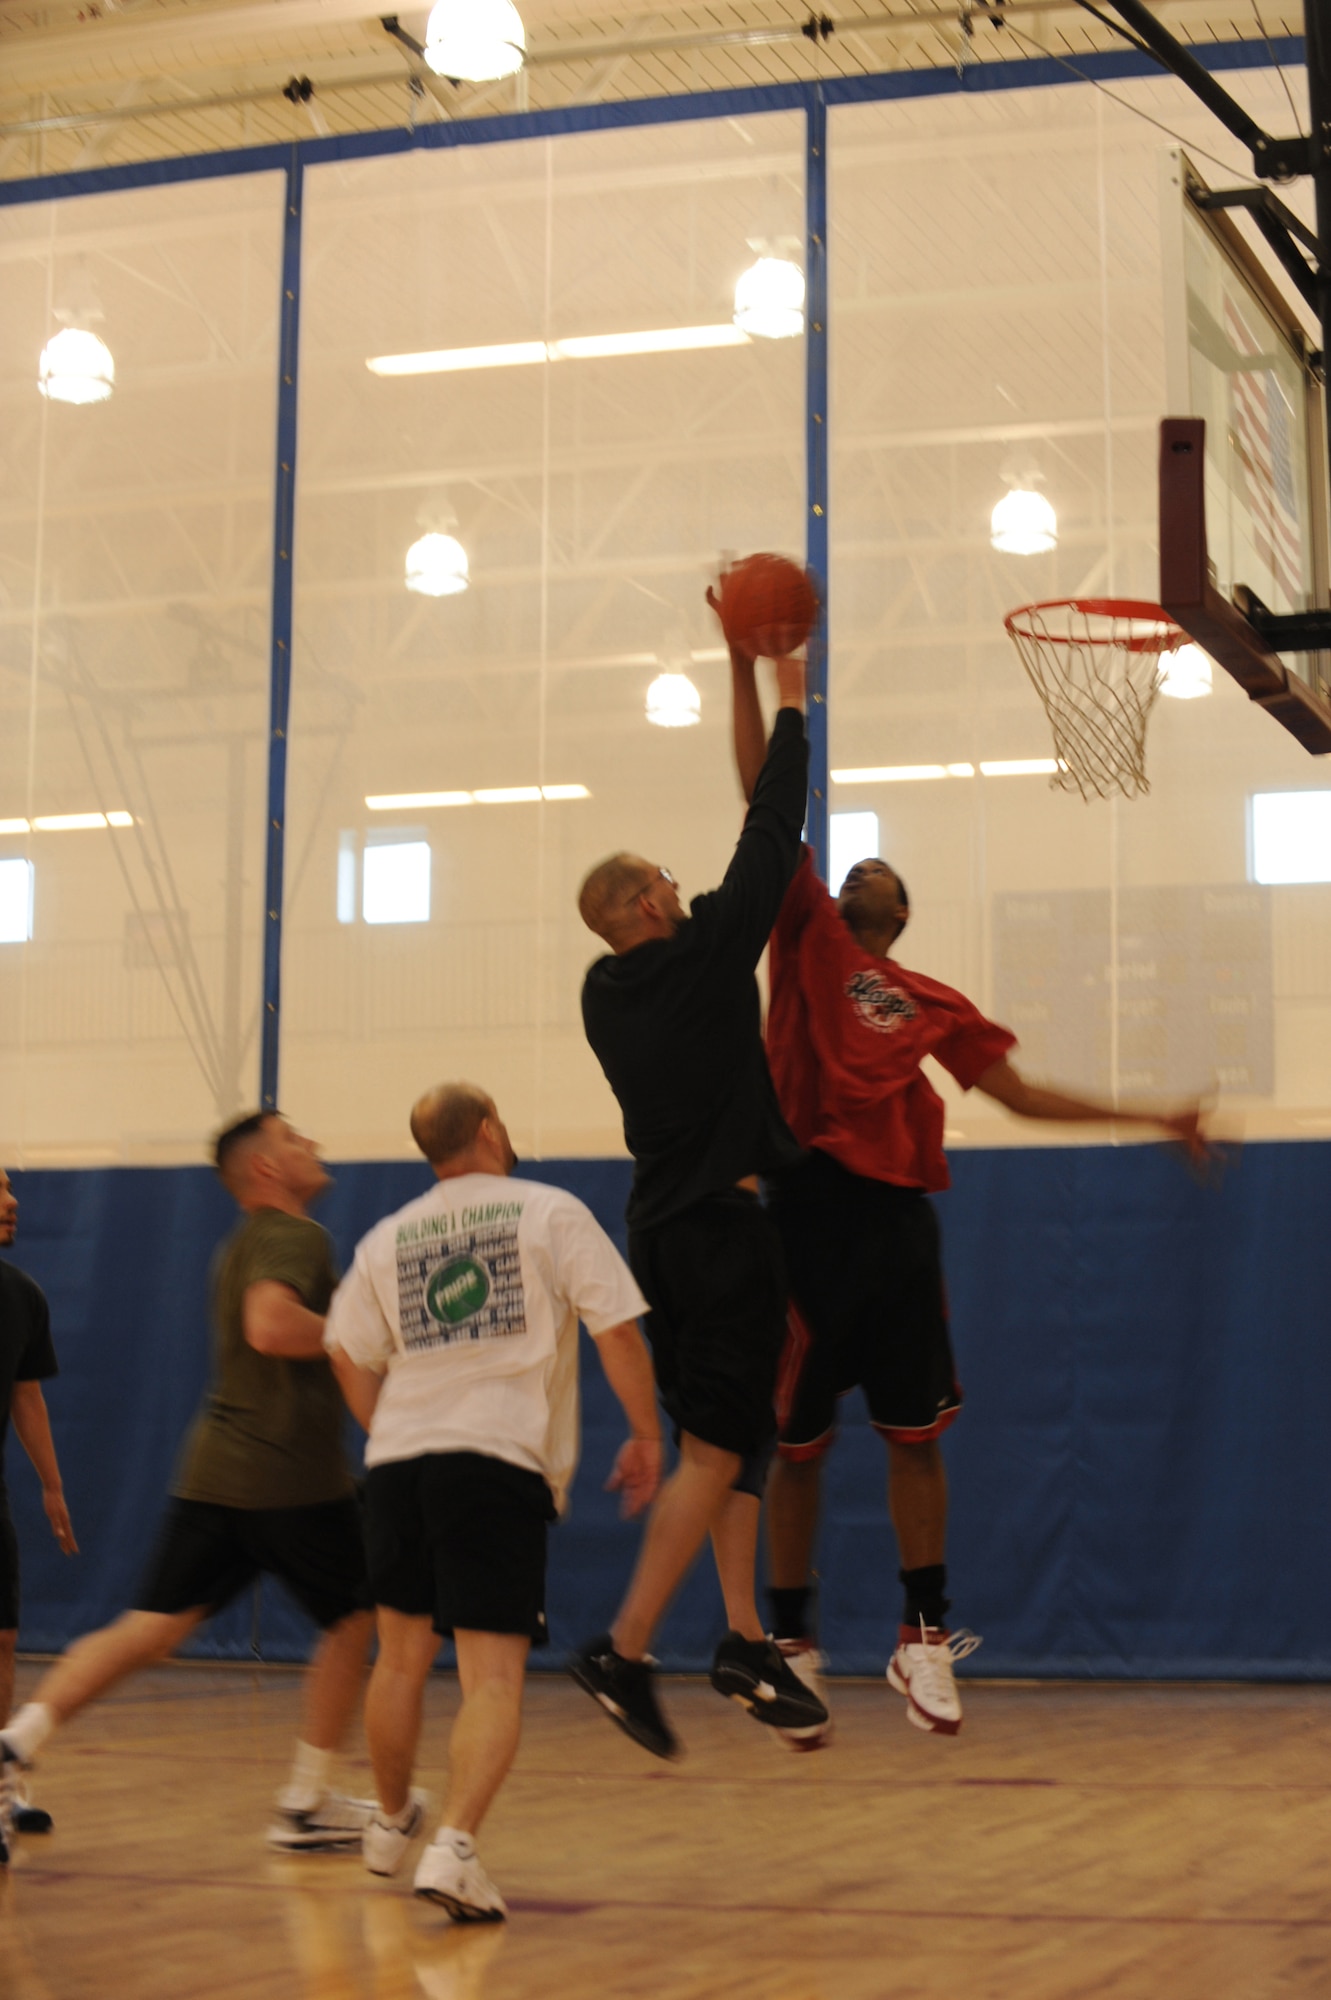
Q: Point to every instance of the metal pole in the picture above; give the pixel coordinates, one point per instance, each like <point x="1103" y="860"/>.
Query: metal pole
<point x="280" y="666"/>
<point x="1317" y="43"/>
<point x="815" y="362"/>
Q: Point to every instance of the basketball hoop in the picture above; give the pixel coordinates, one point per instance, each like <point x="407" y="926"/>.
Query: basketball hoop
<point x="1095" y="664"/>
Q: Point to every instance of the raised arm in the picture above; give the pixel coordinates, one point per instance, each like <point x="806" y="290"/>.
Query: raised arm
<point x="628" y="1369"/>
<point x="746" y="716"/>
<point x="1008" y="1087"/>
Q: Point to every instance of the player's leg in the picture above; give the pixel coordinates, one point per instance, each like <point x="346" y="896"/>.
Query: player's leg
<point x="319" y="1554"/>
<point x="401" y="1576"/>
<point x="681" y="1519"/>
<point x="488" y="1524"/>
<point x="910" y="1384"/>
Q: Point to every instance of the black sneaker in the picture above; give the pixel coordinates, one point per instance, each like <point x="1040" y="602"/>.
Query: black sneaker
<point x="753" y="1673"/>
<point x="626" y="1691"/>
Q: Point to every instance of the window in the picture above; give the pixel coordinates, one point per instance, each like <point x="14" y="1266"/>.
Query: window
<point x="852" y="837"/>
<point x="15" y="901"/>
<point x="395" y="882"/>
<point x="1291" y="836"/>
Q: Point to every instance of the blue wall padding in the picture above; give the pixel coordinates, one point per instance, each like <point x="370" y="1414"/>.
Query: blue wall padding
<point x="1141" y="1481"/>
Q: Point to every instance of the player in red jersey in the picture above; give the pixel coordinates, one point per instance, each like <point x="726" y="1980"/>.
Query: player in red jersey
<point x="848" y="1030"/>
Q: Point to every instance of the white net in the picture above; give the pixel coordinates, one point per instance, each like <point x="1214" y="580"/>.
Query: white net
<point x="1095" y="664"/>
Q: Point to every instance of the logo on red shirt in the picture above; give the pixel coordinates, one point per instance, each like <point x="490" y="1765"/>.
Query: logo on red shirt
<point x="880" y="1006"/>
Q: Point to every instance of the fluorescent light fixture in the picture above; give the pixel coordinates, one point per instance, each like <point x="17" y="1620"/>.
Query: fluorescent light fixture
<point x="76" y="367"/>
<point x="583" y="347"/>
<point x="395" y="883"/>
<point x="1020" y="767"/>
<point x="475" y="41"/>
<point x="383" y="802"/>
<point x="769" y="299"/>
<point x="1185" y="673"/>
<point x="79" y="822"/>
<point x="1291" y="836"/>
<point x="506" y="795"/>
<point x="673" y="702"/>
<point x="1023" y="524"/>
<point x="14" y="826"/>
<point x="15" y="901"/>
<point x="852" y="837"/>
<point x="437" y="566"/>
<point x="889" y="774"/>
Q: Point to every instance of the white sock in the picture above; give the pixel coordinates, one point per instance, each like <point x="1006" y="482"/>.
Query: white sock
<point x="309" y="1778"/>
<point x="29" y="1729"/>
<point x="461" y="1843"/>
<point x="401" y="1820"/>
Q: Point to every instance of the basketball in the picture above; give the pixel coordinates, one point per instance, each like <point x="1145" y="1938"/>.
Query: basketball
<point x="768" y="605"/>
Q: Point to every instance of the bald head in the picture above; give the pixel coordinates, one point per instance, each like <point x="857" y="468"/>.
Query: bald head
<point x="627" y="900"/>
<point x="446" y="1121"/>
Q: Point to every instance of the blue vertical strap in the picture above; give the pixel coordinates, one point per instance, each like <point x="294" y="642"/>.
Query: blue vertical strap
<point x="815" y="363"/>
<point x="280" y="667"/>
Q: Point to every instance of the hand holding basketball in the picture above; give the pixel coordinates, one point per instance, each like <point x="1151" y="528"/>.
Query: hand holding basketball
<point x="767" y="605"/>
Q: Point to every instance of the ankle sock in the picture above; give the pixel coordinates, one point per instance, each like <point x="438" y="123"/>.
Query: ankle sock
<point x="925" y="1595"/>
<point x="791" y="1612"/>
<point x="461" y="1843"/>
<point x="308" y="1781"/>
<point x="400" y="1820"/>
<point x="29" y="1729"/>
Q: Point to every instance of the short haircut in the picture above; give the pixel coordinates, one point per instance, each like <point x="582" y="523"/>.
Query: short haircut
<point x="446" y="1120"/>
<point x="231" y="1147"/>
<point x="606" y="893"/>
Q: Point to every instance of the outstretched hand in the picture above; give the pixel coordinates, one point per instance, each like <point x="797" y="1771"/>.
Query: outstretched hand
<point x="739" y="655"/>
<point x="636" y="1474"/>
<point x="1187" y="1127"/>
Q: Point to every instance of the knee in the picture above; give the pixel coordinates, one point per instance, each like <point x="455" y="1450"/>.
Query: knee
<point x="922" y="1458"/>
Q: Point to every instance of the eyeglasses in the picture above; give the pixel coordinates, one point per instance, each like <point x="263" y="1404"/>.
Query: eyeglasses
<point x="661" y="875"/>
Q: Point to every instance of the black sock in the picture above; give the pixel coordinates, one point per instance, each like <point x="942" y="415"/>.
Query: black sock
<point x="790" y="1612"/>
<point x="925" y="1596"/>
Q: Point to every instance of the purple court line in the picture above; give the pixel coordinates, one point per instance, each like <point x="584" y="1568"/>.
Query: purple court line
<point x="610" y="1906"/>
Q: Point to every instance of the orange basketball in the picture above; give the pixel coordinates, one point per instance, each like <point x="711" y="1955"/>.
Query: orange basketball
<point x="768" y="605"/>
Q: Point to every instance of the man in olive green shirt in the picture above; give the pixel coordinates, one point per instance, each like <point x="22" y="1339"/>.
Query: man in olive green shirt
<point x="263" y="1488"/>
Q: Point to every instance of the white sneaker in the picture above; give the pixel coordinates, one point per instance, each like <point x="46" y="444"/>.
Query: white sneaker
<point x="807" y="1664"/>
<point x="449" y="1873"/>
<point x="384" y="1845"/>
<point x="9" y="1786"/>
<point x="921" y="1669"/>
<point x="335" y="1825"/>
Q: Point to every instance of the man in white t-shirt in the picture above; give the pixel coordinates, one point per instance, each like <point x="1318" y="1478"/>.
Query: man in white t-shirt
<point x="455" y="1339"/>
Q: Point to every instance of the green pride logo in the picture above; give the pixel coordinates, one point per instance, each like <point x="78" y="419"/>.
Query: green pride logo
<point x="457" y="1290"/>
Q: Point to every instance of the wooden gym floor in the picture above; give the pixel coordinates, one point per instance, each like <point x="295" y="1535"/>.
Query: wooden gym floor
<point x="1074" y="1841"/>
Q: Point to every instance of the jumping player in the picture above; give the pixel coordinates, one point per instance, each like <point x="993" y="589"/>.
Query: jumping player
<point x="848" y="1030"/>
<point x="27" y="1359"/>
<point x="455" y="1339"/>
<point x="263" y="1488"/>
<point x="673" y="1015"/>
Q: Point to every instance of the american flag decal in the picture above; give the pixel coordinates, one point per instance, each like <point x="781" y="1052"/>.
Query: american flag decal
<point x="1263" y="439"/>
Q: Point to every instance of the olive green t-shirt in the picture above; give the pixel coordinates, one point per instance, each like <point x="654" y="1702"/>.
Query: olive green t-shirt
<point x="270" y="1432"/>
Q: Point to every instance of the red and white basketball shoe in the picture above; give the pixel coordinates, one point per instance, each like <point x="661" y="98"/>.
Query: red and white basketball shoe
<point x="806" y="1663"/>
<point x="921" y="1669"/>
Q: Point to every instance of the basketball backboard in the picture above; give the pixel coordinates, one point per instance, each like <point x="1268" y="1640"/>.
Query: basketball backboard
<point x="1243" y="486"/>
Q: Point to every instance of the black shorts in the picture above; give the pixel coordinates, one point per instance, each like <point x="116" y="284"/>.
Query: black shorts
<point x="868" y="1308"/>
<point x="9" y="1572"/>
<point x="459" y="1538"/>
<point x="206" y="1555"/>
<point x="715" y="1281"/>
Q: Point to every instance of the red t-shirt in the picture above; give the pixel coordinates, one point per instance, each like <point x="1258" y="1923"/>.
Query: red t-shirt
<point x="846" y="1034"/>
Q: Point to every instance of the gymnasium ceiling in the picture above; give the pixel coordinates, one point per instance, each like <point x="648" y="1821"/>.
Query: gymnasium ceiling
<point x="86" y="83"/>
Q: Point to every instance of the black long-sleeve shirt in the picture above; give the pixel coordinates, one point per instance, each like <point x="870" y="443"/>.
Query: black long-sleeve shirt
<point x="675" y="1023"/>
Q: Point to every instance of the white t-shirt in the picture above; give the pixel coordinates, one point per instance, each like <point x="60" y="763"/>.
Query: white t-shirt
<point x="468" y="1300"/>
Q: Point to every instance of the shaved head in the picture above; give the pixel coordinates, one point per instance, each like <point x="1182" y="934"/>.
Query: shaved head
<point x="235" y="1147"/>
<point x="446" y="1120"/>
<point x="606" y="896"/>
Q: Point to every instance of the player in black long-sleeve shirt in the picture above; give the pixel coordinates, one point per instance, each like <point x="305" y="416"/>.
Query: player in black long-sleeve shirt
<point x="673" y="1016"/>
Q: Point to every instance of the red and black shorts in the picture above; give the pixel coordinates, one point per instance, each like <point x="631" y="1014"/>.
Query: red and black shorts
<point x="868" y="1307"/>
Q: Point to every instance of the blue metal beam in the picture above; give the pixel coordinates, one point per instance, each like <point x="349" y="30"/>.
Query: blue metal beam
<point x="284" y="521"/>
<point x="815" y="425"/>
